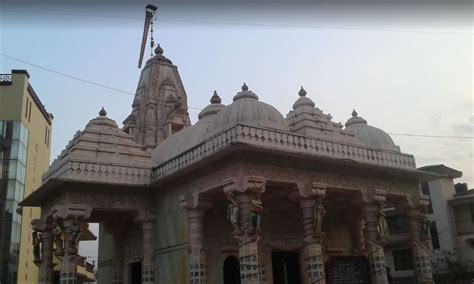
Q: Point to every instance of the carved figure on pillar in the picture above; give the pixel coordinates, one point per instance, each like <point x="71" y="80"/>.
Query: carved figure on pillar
<point x="425" y="224"/>
<point x="58" y="241"/>
<point x="256" y="210"/>
<point x="319" y="213"/>
<point x="73" y="234"/>
<point x="36" y="247"/>
<point x="382" y="226"/>
<point x="233" y="212"/>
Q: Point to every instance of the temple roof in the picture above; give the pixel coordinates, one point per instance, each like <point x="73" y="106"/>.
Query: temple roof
<point x="99" y="148"/>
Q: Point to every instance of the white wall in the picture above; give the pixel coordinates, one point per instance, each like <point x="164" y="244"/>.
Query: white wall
<point x="441" y="191"/>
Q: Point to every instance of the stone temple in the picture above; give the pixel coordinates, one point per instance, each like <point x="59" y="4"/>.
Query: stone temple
<point x="245" y="195"/>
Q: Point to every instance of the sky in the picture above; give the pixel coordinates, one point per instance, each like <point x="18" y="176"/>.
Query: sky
<point x="406" y="67"/>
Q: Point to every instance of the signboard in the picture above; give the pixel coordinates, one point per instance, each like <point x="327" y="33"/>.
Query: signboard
<point x="348" y="270"/>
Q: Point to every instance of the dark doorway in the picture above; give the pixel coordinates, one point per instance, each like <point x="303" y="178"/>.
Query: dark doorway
<point x="135" y="273"/>
<point x="286" y="267"/>
<point x="231" y="270"/>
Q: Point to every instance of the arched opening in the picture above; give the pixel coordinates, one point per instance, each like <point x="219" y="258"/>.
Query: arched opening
<point x="231" y="270"/>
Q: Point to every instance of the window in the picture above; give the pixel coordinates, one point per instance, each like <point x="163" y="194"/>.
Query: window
<point x="434" y="235"/>
<point x="29" y="114"/>
<point x="425" y="189"/>
<point x="26" y="108"/>
<point x="45" y="135"/>
<point x="403" y="259"/>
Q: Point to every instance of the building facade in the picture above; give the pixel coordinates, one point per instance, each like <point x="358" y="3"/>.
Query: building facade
<point x="245" y="195"/>
<point x="452" y="215"/>
<point x="25" y="147"/>
<point x="25" y="140"/>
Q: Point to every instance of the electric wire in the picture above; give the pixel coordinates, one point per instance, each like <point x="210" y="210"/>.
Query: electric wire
<point x="244" y="24"/>
<point x="192" y="107"/>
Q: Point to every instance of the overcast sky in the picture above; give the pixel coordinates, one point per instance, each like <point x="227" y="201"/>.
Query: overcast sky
<point x="405" y="68"/>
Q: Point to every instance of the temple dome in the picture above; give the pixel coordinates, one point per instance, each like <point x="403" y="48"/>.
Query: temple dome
<point x="247" y="109"/>
<point x="372" y="136"/>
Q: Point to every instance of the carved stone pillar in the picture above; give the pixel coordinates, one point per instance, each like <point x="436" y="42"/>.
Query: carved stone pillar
<point x="309" y="198"/>
<point x="247" y="192"/>
<point x="197" y="252"/>
<point x="197" y="262"/>
<point x="358" y="228"/>
<point x="371" y="210"/>
<point x="419" y="236"/>
<point x="70" y="259"/>
<point x="117" y="267"/>
<point x="70" y="217"/>
<point x="46" y="262"/>
<point x="148" y="271"/>
<point x="46" y="266"/>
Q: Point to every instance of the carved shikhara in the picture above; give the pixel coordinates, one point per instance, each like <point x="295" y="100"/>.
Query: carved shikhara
<point x="287" y="142"/>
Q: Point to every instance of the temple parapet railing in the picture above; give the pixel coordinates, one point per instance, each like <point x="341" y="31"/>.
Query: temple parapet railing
<point x="100" y="172"/>
<point x="283" y="141"/>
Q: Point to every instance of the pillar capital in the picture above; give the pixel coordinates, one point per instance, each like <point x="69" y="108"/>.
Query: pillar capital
<point x="193" y="201"/>
<point x="413" y="202"/>
<point x="71" y="211"/>
<point x="146" y="215"/>
<point x="41" y="225"/>
<point x="311" y="190"/>
<point x="243" y="184"/>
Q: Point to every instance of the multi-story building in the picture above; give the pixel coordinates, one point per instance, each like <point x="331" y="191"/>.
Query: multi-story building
<point x="451" y="230"/>
<point x="25" y="140"/>
<point x="25" y="149"/>
<point x="452" y="216"/>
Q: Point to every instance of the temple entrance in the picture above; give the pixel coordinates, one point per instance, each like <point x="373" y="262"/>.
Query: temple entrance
<point x="135" y="273"/>
<point x="231" y="270"/>
<point x="286" y="268"/>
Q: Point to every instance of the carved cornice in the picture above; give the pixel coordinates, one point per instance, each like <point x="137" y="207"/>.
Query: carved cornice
<point x="287" y="142"/>
<point x="99" y="172"/>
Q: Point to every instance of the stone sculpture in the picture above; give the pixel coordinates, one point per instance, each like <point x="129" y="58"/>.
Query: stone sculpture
<point x="319" y="213"/>
<point x="255" y="211"/>
<point x="382" y="226"/>
<point x="425" y="224"/>
<point x="58" y="241"/>
<point x="73" y="231"/>
<point x="36" y="247"/>
<point x="233" y="211"/>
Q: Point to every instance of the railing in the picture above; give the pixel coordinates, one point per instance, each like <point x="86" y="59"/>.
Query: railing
<point x="284" y="141"/>
<point x="5" y="79"/>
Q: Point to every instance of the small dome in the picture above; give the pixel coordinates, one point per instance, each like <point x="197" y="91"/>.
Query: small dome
<point x="247" y="109"/>
<point x="102" y="121"/>
<point x="213" y="108"/>
<point x="372" y="136"/>
<point x="303" y="100"/>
